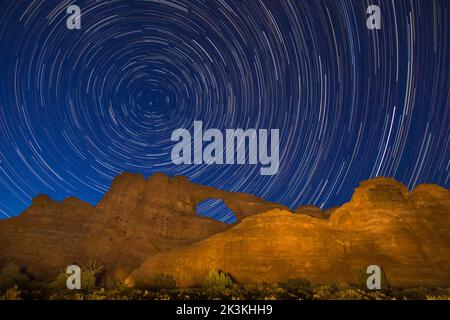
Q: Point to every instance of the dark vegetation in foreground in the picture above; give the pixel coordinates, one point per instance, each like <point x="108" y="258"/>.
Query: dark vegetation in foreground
<point x="17" y="285"/>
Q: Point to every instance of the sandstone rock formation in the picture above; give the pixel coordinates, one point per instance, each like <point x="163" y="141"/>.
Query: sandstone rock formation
<point x="146" y="227"/>
<point x="311" y="211"/>
<point x="135" y="219"/>
<point x="45" y="235"/>
<point x="408" y="235"/>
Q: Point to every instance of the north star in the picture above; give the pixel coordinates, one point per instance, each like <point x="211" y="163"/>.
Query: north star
<point x="193" y="310"/>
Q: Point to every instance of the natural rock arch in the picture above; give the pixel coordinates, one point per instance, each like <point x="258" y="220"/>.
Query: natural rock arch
<point x="217" y="209"/>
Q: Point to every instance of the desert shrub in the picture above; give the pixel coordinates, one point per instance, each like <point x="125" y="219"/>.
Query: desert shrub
<point x="217" y="279"/>
<point x="97" y="295"/>
<point x="413" y="293"/>
<point x="298" y="288"/>
<point x="12" y="294"/>
<point x="258" y="291"/>
<point x="60" y="282"/>
<point x="163" y="281"/>
<point x="264" y="291"/>
<point x="12" y="275"/>
<point x="90" y="274"/>
<point x="325" y="292"/>
<point x="350" y="294"/>
<point x="438" y="297"/>
<point x="88" y="280"/>
<point x="378" y="295"/>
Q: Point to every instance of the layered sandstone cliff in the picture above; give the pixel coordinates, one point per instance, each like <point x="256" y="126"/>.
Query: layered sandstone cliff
<point x="135" y="219"/>
<point x="146" y="227"/>
<point x="408" y="235"/>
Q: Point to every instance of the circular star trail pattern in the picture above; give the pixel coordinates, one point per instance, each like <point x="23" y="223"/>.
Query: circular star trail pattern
<point x="78" y="107"/>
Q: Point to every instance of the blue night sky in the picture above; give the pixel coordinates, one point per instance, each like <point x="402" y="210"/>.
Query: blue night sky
<point x="78" y="107"/>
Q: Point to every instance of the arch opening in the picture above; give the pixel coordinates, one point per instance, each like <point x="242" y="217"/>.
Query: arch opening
<point x="216" y="209"/>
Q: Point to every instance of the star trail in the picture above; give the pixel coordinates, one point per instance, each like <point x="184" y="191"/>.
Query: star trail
<point x="78" y="107"/>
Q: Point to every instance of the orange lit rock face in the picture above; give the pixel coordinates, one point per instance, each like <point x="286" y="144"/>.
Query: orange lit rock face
<point x="135" y="219"/>
<point x="407" y="235"/>
<point x="142" y="228"/>
<point x="312" y="211"/>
